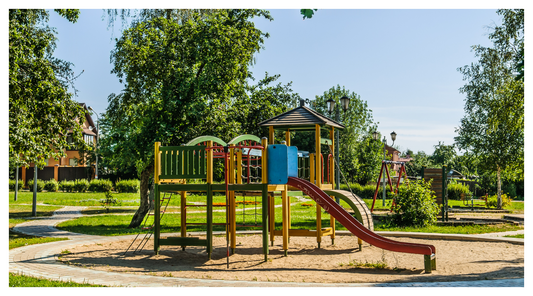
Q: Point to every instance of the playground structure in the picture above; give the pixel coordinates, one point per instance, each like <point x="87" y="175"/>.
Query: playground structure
<point x="260" y="167"/>
<point x="384" y="167"/>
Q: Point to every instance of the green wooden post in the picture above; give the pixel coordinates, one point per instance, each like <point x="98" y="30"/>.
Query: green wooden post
<point x="157" y="216"/>
<point x="209" y="235"/>
<point x="264" y="211"/>
<point x="444" y="200"/>
<point x="422" y="172"/>
<point x="427" y="263"/>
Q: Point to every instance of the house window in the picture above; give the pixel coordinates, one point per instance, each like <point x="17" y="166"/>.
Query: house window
<point x="72" y="162"/>
<point x="89" y="139"/>
<point x="70" y="143"/>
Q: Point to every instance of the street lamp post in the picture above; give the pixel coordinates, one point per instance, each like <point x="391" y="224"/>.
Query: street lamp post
<point x="345" y="103"/>
<point x="97" y="136"/>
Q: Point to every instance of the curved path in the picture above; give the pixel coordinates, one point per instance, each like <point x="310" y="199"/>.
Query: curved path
<point x="40" y="260"/>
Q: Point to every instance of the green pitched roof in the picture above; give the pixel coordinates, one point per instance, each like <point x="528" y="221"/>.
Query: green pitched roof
<point x="300" y="118"/>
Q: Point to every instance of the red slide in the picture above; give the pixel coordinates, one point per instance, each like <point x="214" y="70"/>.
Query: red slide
<point x="335" y="210"/>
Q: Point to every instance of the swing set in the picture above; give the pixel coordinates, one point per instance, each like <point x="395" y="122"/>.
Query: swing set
<point x="384" y="167"/>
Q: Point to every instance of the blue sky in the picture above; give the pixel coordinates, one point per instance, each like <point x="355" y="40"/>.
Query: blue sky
<point x="403" y="62"/>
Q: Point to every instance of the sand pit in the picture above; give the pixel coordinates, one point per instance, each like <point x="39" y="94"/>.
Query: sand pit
<point x="456" y="261"/>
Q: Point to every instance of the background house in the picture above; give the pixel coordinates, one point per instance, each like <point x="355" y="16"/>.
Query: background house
<point x="67" y="168"/>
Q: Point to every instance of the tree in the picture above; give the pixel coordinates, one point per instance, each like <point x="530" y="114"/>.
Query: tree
<point x="176" y="75"/>
<point x="444" y="155"/>
<point x="420" y="160"/>
<point x="493" y="126"/>
<point x="41" y="110"/>
<point x="358" y="155"/>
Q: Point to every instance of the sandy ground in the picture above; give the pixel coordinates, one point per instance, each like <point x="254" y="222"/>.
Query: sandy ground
<point x="456" y="261"/>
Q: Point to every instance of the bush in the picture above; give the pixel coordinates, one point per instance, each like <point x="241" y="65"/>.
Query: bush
<point x="51" y="185"/>
<point x="414" y="205"/>
<point x="40" y="185"/>
<point x="492" y="202"/>
<point x="66" y="186"/>
<point x="456" y="190"/>
<point x="12" y="185"/>
<point x="131" y="186"/>
<point x="100" y="185"/>
<point x="109" y="201"/>
<point x="81" y="185"/>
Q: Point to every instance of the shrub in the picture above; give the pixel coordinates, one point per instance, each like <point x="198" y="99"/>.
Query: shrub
<point x="414" y="205"/>
<point x="66" y="186"/>
<point x="12" y="185"/>
<point x="40" y="185"/>
<point x="51" y="185"/>
<point x="131" y="186"/>
<point x="100" y="185"/>
<point x="81" y="185"/>
<point x="492" y="202"/>
<point x="109" y="201"/>
<point x="456" y="190"/>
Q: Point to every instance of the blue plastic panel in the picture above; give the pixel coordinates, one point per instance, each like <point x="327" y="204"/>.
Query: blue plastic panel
<point x="277" y="164"/>
<point x="292" y="161"/>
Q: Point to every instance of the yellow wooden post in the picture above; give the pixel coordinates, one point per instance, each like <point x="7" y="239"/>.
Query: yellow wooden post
<point x="157" y="171"/>
<point x="332" y="178"/>
<point x="318" y="177"/>
<point x="288" y="137"/>
<point x="312" y="168"/>
<point x="239" y="166"/>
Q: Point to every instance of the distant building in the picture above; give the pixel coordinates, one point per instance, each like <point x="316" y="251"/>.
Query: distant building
<point x="67" y="168"/>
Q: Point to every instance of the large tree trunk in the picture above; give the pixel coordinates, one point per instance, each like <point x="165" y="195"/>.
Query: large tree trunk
<point x="499" y="189"/>
<point x="144" y="207"/>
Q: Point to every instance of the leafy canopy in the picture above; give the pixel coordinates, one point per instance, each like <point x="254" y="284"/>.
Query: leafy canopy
<point x="41" y="110"/>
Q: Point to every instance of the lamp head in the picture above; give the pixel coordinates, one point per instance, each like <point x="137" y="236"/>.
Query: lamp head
<point x="331" y="105"/>
<point x="345" y="103"/>
<point x="393" y="136"/>
<point x="375" y="135"/>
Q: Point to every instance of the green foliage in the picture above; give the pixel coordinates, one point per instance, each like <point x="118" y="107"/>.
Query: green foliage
<point x="40" y="185"/>
<point x="67" y="186"/>
<point x="458" y="190"/>
<point x="420" y="160"/>
<point x="131" y="186"/>
<point x="492" y="201"/>
<point x="51" y="185"/>
<point x="109" y="201"/>
<point x="38" y="90"/>
<point x="100" y="185"/>
<point x="493" y="125"/>
<point x="444" y="155"/>
<point x="12" y="185"/>
<point x="359" y="154"/>
<point x="414" y="205"/>
<point x="307" y="13"/>
<point x="81" y="185"/>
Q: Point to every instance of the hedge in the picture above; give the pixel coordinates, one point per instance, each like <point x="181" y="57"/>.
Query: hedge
<point x="51" y="185"/>
<point x="12" y="185"/>
<point x="100" y="185"/>
<point x="40" y="185"/>
<point x="131" y="186"/>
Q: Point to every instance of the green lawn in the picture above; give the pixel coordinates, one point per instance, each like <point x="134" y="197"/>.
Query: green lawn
<point x="18" y="280"/>
<point x="516" y="236"/>
<point x="19" y="240"/>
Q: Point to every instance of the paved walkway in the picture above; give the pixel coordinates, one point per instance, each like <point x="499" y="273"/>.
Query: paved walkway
<point x="40" y="260"/>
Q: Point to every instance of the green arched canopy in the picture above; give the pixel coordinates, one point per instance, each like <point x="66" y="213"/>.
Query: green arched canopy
<point x="204" y="139"/>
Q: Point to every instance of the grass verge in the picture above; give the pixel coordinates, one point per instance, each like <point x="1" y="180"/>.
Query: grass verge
<point x="19" y="280"/>
<point x="516" y="236"/>
<point x="19" y="240"/>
